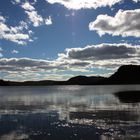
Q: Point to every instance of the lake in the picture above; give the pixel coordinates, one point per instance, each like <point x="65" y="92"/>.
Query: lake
<point x="69" y="113"/>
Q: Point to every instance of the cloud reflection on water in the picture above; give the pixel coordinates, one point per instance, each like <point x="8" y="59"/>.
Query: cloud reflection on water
<point x="47" y="112"/>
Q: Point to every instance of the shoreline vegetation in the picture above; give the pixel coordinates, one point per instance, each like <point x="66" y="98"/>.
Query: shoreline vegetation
<point x="126" y="74"/>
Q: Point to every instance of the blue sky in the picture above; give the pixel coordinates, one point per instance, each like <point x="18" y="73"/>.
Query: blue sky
<point x="58" y="39"/>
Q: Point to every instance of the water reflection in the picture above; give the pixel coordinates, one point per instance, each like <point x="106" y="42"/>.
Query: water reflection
<point x="129" y="96"/>
<point x="69" y="112"/>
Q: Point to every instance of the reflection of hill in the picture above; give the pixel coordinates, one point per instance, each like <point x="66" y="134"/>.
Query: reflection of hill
<point x="127" y="74"/>
<point x="128" y="96"/>
<point x="110" y="115"/>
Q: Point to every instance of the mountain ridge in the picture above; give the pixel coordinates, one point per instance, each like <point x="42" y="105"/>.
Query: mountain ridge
<point x="126" y="74"/>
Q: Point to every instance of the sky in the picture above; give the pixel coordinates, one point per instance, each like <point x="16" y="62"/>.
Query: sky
<point x="59" y="39"/>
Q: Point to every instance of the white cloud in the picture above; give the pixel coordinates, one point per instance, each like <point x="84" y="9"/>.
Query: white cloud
<point x="17" y="38"/>
<point x="14" y="34"/>
<point x="84" y="4"/>
<point x="36" y="19"/>
<point x="21" y="34"/>
<point x="22" y="26"/>
<point x="33" y="15"/>
<point x="2" y="19"/>
<point x="16" y="1"/>
<point x="14" y="51"/>
<point x="136" y="0"/>
<point x="124" y="23"/>
<point x="48" y="21"/>
<point x="27" y="6"/>
<point x="34" y="1"/>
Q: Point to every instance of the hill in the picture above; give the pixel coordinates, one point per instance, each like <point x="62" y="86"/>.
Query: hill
<point x="126" y="74"/>
<point x="84" y="80"/>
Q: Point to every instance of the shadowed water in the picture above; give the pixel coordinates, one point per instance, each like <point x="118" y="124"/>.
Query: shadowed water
<point x="70" y="113"/>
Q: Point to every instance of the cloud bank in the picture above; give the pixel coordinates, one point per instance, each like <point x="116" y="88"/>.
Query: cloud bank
<point x="81" y="60"/>
<point x="124" y="23"/>
<point x="86" y="4"/>
<point x="103" y="51"/>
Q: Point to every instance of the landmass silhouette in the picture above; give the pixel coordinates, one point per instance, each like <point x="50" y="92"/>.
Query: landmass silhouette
<point x="132" y="96"/>
<point x="126" y="74"/>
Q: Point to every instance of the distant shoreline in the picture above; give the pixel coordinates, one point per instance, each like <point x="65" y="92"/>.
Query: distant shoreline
<point x="125" y="75"/>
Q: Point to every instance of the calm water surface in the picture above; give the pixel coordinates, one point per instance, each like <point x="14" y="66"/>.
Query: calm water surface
<point x="68" y="113"/>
